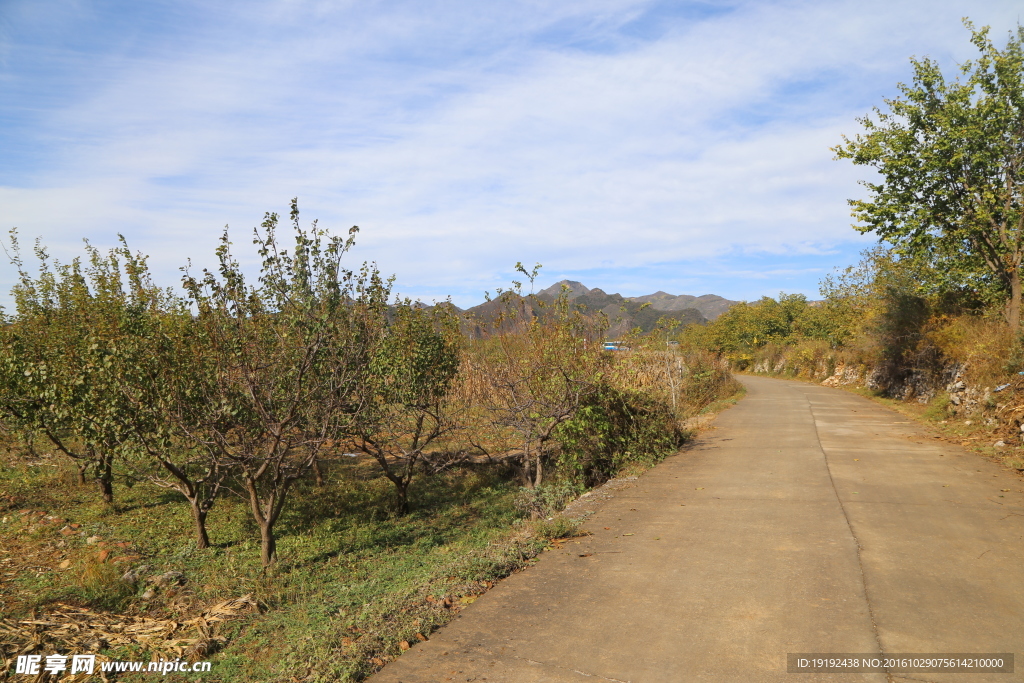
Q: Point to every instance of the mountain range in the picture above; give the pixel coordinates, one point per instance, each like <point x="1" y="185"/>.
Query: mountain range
<point x="624" y="313"/>
<point x="708" y="305"/>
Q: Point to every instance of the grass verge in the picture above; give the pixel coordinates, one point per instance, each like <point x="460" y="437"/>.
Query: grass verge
<point x="354" y="587"/>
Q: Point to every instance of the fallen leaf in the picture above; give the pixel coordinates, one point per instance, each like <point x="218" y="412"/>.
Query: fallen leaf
<point x="856" y="459"/>
<point x="1005" y="490"/>
<point x="627" y="534"/>
<point x="65" y="564"/>
<point x="420" y="636"/>
<point x="607" y="528"/>
<point x="586" y="554"/>
<point x="404" y="645"/>
<point x="699" y="488"/>
<point x="103" y="555"/>
<point x="945" y="485"/>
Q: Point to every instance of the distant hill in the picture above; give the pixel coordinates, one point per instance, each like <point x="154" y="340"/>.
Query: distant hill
<point x="575" y="289"/>
<point x="710" y="305"/>
<point x="623" y="313"/>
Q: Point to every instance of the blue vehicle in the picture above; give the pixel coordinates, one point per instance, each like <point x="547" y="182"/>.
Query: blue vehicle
<point x="614" y="346"/>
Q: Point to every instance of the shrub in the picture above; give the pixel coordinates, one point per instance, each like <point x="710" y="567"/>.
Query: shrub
<point x="556" y="527"/>
<point x="611" y="429"/>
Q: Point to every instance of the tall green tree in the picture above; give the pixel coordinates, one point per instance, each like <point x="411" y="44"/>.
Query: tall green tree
<point x="406" y="398"/>
<point x="950" y="155"/>
<point x="286" y="356"/>
<point x="63" y="353"/>
<point x="164" y="374"/>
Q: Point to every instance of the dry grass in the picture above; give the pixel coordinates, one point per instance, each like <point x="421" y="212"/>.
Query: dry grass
<point x="687" y="381"/>
<point x="982" y="345"/>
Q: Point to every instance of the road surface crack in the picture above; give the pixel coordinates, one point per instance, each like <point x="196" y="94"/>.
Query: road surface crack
<point x="853" y="534"/>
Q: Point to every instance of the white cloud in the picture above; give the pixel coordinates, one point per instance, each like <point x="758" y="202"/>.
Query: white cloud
<point x="463" y="141"/>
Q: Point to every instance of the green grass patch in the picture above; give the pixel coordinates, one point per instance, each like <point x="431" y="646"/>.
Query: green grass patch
<point x="352" y="583"/>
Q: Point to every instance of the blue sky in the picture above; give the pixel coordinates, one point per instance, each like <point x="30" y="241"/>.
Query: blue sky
<point x="633" y="145"/>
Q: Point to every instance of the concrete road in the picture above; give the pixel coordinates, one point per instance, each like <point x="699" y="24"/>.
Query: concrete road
<point x="808" y="520"/>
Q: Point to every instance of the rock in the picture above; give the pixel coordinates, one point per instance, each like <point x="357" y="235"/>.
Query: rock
<point x="171" y="578"/>
<point x="133" y="575"/>
<point x="968" y="422"/>
<point x="93" y="540"/>
<point x="1000" y="444"/>
<point x="149" y="594"/>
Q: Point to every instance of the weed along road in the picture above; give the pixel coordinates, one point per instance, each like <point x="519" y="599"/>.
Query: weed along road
<point x="809" y="520"/>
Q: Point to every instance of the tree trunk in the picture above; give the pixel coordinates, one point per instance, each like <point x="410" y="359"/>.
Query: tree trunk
<point x="81" y="474"/>
<point x="1013" y="305"/>
<point x="402" y="488"/>
<point x="527" y="470"/>
<point x="318" y="473"/>
<point x="265" y="516"/>
<point x="105" y="479"/>
<point x="268" y="544"/>
<point x="401" y="482"/>
<point x="199" y="519"/>
<point x="538" y="478"/>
